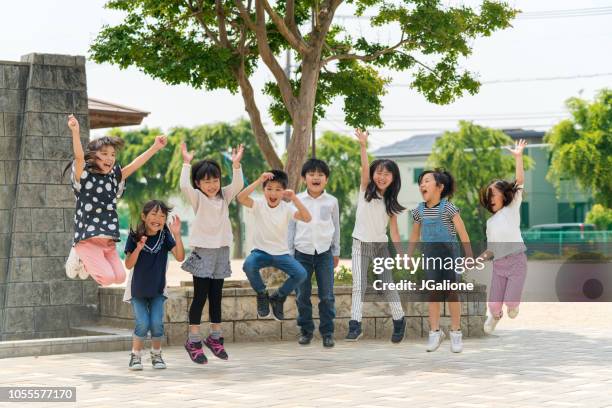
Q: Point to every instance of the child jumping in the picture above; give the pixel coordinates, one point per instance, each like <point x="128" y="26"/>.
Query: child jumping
<point x="316" y="245"/>
<point x="504" y="242"/>
<point x="210" y="238"/>
<point x="98" y="181"/>
<point x="146" y="251"/>
<point x="377" y="208"/>
<point x="270" y="248"/>
<point x="436" y="225"/>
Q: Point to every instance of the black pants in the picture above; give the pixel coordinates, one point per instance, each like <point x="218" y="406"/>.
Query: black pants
<point x="203" y="288"/>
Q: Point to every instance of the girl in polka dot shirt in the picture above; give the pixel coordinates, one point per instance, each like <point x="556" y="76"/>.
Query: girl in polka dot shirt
<point x="98" y="181"/>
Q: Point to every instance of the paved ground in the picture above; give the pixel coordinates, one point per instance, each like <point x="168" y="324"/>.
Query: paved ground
<point x="552" y="355"/>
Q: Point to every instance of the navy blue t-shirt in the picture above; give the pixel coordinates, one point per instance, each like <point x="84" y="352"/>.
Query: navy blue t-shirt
<point x="149" y="275"/>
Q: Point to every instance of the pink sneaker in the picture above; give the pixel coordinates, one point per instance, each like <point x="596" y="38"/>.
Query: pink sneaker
<point x="195" y="352"/>
<point x="216" y="346"/>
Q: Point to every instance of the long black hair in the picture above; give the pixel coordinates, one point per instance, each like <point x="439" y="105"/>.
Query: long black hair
<point x="508" y="189"/>
<point x="92" y="147"/>
<point x="205" y="169"/>
<point x="140" y="230"/>
<point x="391" y="193"/>
<point x="442" y="177"/>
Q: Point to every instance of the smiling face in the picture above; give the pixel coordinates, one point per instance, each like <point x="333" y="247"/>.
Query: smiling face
<point x="273" y="191"/>
<point x="105" y="158"/>
<point x="496" y="198"/>
<point x="154" y="220"/>
<point x="316" y="181"/>
<point x="430" y="190"/>
<point x="382" y="178"/>
<point x="209" y="186"/>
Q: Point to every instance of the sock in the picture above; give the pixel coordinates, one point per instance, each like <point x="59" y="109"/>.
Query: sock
<point x="136" y="352"/>
<point x="195" y="337"/>
<point x="216" y="334"/>
<point x="154" y="351"/>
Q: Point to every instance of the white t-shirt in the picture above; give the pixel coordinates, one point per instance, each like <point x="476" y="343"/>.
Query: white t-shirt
<point x="504" y="229"/>
<point x="271" y="225"/>
<point x="371" y="219"/>
<point x="322" y="233"/>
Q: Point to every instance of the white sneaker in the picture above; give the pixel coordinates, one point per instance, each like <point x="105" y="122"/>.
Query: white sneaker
<point x="456" y="338"/>
<point x="435" y="339"/>
<point x="74" y="266"/>
<point x="490" y="324"/>
<point x="512" y="313"/>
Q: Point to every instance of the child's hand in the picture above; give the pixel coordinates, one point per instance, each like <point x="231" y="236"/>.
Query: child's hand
<point x="187" y="155"/>
<point x="140" y="244"/>
<point x="518" y="148"/>
<point x="175" y="226"/>
<point x="362" y="135"/>
<point x="160" y="142"/>
<point x="336" y="261"/>
<point x="289" y="194"/>
<point x="73" y="123"/>
<point x="266" y="176"/>
<point x="237" y="155"/>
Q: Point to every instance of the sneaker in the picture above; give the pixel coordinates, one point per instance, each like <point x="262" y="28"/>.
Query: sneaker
<point x="399" y="330"/>
<point x="263" y="304"/>
<point x="456" y="340"/>
<point x="135" y="362"/>
<point x="435" y="339"/>
<point x="512" y="313"/>
<point x="196" y="354"/>
<point x="157" y="361"/>
<point x="354" y="332"/>
<point x="328" y="341"/>
<point x="304" y="338"/>
<point x="491" y="322"/>
<point x="216" y="347"/>
<point x="277" y="302"/>
<point x="74" y="266"/>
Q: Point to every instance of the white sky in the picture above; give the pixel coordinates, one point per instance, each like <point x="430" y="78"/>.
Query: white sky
<point x="533" y="48"/>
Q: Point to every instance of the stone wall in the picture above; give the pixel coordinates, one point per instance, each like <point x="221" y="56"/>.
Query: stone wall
<point x="240" y="321"/>
<point x="36" y="203"/>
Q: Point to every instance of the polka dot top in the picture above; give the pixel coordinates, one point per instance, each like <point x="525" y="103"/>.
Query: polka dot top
<point x="96" y="206"/>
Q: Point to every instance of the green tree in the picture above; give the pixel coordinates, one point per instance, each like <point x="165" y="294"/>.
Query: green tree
<point x="218" y="45"/>
<point x="215" y="142"/>
<point x="152" y="180"/>
<point x="581" y="147"/>
<point x="342" y="154"/>
<point x="474" y="156"/>
<point x="601" y="217"/>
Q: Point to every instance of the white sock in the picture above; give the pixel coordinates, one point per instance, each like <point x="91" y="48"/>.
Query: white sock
<point x="155" y="351"/>
<point x="136" y="352"/>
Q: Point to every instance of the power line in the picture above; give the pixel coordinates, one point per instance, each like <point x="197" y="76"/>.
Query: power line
<point x="534" y="79"/>
<point x="484" y="116"/>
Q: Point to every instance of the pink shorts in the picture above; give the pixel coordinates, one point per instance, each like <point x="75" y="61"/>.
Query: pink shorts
<point x="101" y="260"/>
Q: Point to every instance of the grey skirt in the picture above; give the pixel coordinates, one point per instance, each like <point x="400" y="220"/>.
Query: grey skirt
<point x="209" y="263"/>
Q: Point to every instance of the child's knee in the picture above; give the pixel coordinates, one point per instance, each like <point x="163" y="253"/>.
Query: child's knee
<point x="141" y="329"/>
<point x="248" y="266"/>
<point x="157" y="329"/>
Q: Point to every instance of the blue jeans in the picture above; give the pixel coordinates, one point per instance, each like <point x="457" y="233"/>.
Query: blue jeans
<point x="323" y="267"/>
<point x="149" y="315"/>
<point x="259" y="259"/>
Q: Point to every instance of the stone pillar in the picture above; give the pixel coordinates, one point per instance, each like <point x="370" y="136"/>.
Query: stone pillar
<point x="36" y="202"/>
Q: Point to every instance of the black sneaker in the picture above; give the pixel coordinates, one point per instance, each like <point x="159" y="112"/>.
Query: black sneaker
<point x="263" y="304"/>
<point x="305" y="338"/>
<point x="328" y="341"/>
<point x="354" y="332"/>
<point x="399" y="329"/>
<point x="135" y="362"/>
<point x="157" y="361"/>
<point x="277" y="302"/>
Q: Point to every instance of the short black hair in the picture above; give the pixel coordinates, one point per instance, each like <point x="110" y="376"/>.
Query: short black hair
<point x="442" y="177"/>
<point x="315" y="165"/>
<point x="508" y="189"/>
<point x="279" y="177"/>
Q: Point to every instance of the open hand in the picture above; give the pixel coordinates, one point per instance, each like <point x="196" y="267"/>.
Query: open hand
<point x="288" y="194"/>
<point x="362" y="135"/>
<point x="140" y="244"/>
<point x="187" y="155"/>
<point x="175" y="226"/>
<point x="518" y="148"/>
<point x="73" y="123"/>
<point x="237" y="155"/>
<point x="266" y="176"/>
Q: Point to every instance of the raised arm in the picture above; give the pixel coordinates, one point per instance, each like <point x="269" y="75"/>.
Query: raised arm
<point x="160" y="143"/>
<point x="302" y="213"/>
<point x="243" y="197"/>
<point x="184" y="182"/>
<point x="362" y="136"/>
<point x="230" y="191"/>
<point x="179" y="250"/>
<point x="517" y="152"/>
<point x="77" y="148"/>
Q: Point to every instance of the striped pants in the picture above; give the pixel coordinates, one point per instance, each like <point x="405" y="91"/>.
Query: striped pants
<point x="362" y="255"/>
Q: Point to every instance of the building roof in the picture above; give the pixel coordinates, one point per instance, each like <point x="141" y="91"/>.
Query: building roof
<point x="421" y="145"/>
<point x="104" y="114"/>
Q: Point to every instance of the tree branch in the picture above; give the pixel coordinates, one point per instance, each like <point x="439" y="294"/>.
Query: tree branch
<point x="296" y="42"/>
<point x="365" y="58"/>
<point x="221" y="24"/>
<point x="290" y="18"/>
<point x="244" y="13"/>
<point x="197" y="13"/>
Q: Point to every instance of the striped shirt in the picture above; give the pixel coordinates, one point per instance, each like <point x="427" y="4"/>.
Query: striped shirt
<point x="447" y="218"/>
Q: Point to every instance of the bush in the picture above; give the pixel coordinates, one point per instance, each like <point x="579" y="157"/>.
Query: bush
<point x="601" y="217"/>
